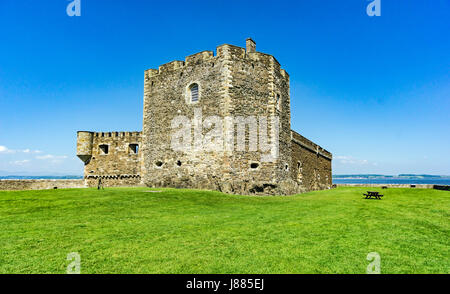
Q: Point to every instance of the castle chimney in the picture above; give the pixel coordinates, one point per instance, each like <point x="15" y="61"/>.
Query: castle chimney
<point x="250" y="45"/>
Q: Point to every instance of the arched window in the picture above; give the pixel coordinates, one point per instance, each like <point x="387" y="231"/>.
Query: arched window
<point x="193" y="90"/>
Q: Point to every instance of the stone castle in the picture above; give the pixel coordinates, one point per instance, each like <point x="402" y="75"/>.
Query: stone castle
<point x="235" y="83"/>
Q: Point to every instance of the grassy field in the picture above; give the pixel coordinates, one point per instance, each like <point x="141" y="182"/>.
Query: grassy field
<point x="129" y="230"/>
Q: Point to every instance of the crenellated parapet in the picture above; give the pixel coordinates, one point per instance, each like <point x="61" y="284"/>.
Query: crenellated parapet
<point x="199" y="57"/>
<point x="116" y="134"/>
<point x="225" y="51"/>
<point x="171" y="66"/>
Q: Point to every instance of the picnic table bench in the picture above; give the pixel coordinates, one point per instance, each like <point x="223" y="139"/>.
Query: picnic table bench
<point x="371" y="194"/>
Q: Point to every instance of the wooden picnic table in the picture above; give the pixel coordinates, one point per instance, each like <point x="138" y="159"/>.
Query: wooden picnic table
<point x="373" y="194"/>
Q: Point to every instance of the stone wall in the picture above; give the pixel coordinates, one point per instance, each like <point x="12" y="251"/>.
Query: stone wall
<point x="113" y="156"/>
<point x="165" y="97"/>
<point x="40" y="184"/>
<point x="311" y="164"/>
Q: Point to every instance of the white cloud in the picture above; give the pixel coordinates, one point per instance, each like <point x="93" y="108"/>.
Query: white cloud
<point x="27" y="160"/>
<point x="54" y="159"/>
<point x="349" y="160"/>
<point x="49" y="156"/>
<point x="4" y="149"/>
<point x="44" y="157"/>
<point x="31" y="151"/>
<point x="20" y="162"/>
<point x="21" y="157"/>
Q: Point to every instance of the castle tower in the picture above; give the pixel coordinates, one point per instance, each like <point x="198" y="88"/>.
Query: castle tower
<point x="84" y="146"/>
<point x="240" y="84"/>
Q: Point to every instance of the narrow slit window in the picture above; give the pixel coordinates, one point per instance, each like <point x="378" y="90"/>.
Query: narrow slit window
<point x="194" y="92"/>
<point x="279" y="102"/>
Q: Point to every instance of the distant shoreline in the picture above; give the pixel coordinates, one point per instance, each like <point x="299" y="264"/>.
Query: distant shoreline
<point x="12" y="177"/>
<point x="416" y="181"/>
<point x="337" y="179"/>
<point x="401" y="179"/>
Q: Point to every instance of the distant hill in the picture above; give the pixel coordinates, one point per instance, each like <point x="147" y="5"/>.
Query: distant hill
<point x="421" y="176"/>
<point x="400" y="176"/>
<point x="12" y="177"/>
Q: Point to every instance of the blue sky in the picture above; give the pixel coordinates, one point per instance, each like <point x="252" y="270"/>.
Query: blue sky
<point x="375" y="91"/>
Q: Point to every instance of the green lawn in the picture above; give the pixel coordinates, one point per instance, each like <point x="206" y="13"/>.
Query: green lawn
<point x="129" y="230"/>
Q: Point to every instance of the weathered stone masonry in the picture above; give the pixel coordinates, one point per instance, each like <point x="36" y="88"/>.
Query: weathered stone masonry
<point x="311" y="164"/>
<point x="113" y="156"/>
<point x="236" y="82"/>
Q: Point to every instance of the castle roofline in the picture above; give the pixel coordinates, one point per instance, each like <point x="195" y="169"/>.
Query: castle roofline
<point x="231" y="45"/>
<point x="310" y="145"/>
<point x="94" y="132"/>
<point x="241" y="52"/>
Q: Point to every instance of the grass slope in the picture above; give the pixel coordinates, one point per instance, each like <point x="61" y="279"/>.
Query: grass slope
<point x="128" y="230"/>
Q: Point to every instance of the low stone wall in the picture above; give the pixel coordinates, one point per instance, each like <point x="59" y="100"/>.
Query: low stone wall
<point x="40" y="184"/>
<point x="115" y="181"/>
<point x="420" y="186"/>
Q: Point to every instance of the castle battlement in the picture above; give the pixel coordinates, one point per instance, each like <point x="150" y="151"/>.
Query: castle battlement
<point x="224" y="51"/>
<point x="111" y="134"/>
<point x="199" y="57"/>
<point x="88" y="142"/>
<point x="111" y="156"/>
<point x="116" y="134"/>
